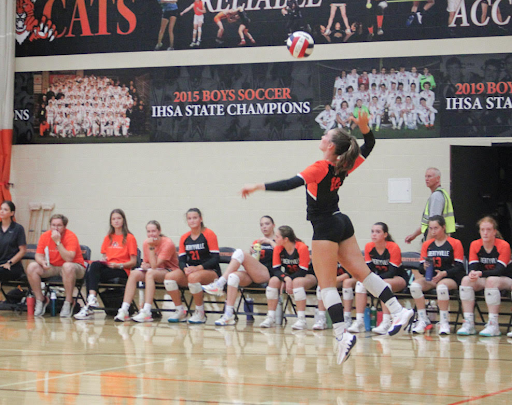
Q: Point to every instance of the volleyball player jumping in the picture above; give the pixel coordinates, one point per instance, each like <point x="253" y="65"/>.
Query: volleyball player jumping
<point x="333" y="233"/>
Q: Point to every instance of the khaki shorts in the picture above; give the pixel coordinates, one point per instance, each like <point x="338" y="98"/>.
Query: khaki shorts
<point x="54" y="271"/>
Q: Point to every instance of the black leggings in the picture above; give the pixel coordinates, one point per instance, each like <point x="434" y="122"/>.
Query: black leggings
<point x="101" y="273"/>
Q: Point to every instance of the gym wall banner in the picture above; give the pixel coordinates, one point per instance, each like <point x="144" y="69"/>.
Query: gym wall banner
<point x="61" y="27"/>
<point x="420" y="97"/>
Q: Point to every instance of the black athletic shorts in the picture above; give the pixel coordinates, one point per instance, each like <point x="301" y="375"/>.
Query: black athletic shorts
<point x="171" y="13"/>
<point x="336" y="227"/>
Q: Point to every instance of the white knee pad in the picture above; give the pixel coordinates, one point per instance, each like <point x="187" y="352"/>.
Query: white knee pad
<point x="272" y="293"/>
<point x="318" y="294"/>
<point x="238" y="255"/>
<point x="442" y="293"/>
<point x="360" y="288"/>
<point x="170" y="285"/>
<point x="233" y="280"/>
<point x="492" y="296"/>
<point x="416" y="290"/>
<point x="348" y="294"/>
<point x="299" y="294"/>
<point x="195" y="288"/>
<point x="466" y="293"/>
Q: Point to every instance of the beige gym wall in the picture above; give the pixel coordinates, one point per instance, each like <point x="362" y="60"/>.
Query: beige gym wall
<point x="161" y="181"/>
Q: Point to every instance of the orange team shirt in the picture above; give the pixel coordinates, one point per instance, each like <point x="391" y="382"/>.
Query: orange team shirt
<point x="166" y="250"/>
<point x="70" y="243"/>
<point x="198" y="7"/>
<point x="116" y="251"/>
<point x="479" y="259"/>
<point x="298" y="259"/>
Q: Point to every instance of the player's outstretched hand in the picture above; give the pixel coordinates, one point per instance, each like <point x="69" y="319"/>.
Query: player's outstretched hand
<point x="362" y="122"/>
<point x="251" y="188"/>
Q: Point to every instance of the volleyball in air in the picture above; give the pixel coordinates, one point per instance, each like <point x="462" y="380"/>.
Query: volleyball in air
<point x="300" y="44"/>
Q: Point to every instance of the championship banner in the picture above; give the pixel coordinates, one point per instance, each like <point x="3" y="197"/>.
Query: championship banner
<point x="62" y="27"/>
<point x="420" y="97"/>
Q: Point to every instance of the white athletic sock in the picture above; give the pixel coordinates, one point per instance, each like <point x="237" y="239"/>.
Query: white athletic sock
<point x="200" y="308"/>
<point x="493" y="317"/>
<point x="229" y="310"/>
<point x="179" y="308"/>
<point x="221" y="281"/>
<point x="393" y="306"/>
<point x="272" y="314"/>
<point x="125" y="306"/>
<point x="321" y="314"/>
<point x="443" y="315"/>
<point x="147" y="307"/>
<point x="469" y="316"/>
<point x="301" y="314"/>
<point x="386" y="318"/>
<point x="347" y="316"/>
<point x="360" y="317"/>
<point x="339" y="329"/>
<point x="422" y="314"/>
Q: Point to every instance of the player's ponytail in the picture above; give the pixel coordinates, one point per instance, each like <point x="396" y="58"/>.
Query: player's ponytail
<point x="347" y="150"/>
<point x="287" y="232"/>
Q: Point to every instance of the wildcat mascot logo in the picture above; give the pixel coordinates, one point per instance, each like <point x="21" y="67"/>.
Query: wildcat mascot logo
<point x="28" y="26"/>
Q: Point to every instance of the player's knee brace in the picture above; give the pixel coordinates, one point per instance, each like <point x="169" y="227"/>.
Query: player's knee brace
<point x="233" y="280"/>
<point x="272" y="293"/>
<point x="492" y="296"/>
<point x="238" y="255"/>
<point x="318" y="293"/>
<point x="348" y="294"/>
<point x="299" y="294"/>
<point x="195" y="288"/>
<point x="416" y="290"/>
<point x="466" y="293"/>
<point x="170" y="285"/>
<point x="442" y="293"/>
<point x="360" y="288"/>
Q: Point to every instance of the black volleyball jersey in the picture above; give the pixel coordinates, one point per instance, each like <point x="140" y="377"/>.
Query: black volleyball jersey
<point x="322" y="183"/>
<point x="493" y="263"/>
<point x="385" y="265"/>
<point x="266" y="253"/>
<point x="448" y="257"/>
<point x="295" y="264"/>
<point x="201" y="251"/>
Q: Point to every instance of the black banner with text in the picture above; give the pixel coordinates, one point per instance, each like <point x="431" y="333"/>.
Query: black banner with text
<point x="420" y="97"/>
<point x="61" y="27"/>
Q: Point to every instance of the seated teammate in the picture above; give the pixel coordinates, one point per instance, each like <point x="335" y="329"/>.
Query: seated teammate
<point x="327" y="118"/>
<point x="199" y="264"/>
<point x="58" y="254"/>
<point x="384" y="258"/>
<point x="489" y="259"/>
<point x="446" y="256"/>
<point x="244" y="269"/>
<point x="119" y="255"/>
<point x="292" y="255"/>
<point x="159" y="259"/>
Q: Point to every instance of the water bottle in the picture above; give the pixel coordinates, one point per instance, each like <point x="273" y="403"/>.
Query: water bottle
<point x="367" y="319"/>
<point x="429" y="271"/>
<point x="257" y="251"/>
<point x="249" y="308"/>
<point x="432" y="311"/>
<point x="373" y="317"/>
<point x="141" y="293"/>
<point x="31" y="303"/>
<point x="279" y="312"/>
<point x="53" y="303"/>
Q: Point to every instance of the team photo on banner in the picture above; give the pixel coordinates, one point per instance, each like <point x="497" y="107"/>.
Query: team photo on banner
<point x="53" y="27"/>
<point x="420" y="97"/>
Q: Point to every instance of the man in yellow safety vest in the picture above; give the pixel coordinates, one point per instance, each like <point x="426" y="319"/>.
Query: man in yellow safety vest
<point x="439" y="203"/>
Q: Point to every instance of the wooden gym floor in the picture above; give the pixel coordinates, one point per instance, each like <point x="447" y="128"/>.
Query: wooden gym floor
<point x="54" y="361"/>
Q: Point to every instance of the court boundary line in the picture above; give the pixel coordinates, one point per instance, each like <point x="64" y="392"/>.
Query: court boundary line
<point x="491" y="394"/>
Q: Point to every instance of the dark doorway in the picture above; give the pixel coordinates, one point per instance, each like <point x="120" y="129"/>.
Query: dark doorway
<point x="481" y="184"/>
